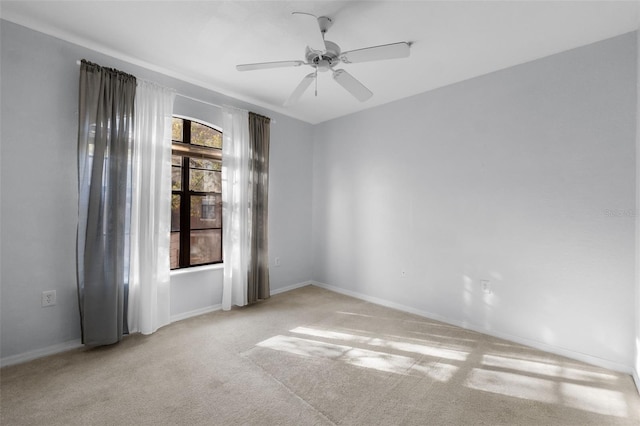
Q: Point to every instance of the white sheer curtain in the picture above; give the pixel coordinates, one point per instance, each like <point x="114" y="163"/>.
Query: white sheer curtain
<point x="235" y="206"/>
<point x="148" y="302"/>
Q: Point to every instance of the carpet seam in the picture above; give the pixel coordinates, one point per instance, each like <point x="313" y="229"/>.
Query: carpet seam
<point x="288" y="389"/>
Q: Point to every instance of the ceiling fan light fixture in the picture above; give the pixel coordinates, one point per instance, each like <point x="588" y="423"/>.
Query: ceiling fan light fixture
<point x="323" y="65"/>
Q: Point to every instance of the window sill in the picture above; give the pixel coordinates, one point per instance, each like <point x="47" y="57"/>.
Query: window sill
<point x="196" y="269"/>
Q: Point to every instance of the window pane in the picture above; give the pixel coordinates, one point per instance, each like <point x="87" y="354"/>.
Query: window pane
<point x="204" y="225"/>
<point x="205" y="136"/>
<point x="174" y="249"/>
<point x="206" y="246"/>
<point x="201" y="163"/>
<point x="176" y="129"/>
<point x="175" y="212"/>
<point x="205" y="181"/>
<point x="206" y="211"/>
<point x="176" y="178"/>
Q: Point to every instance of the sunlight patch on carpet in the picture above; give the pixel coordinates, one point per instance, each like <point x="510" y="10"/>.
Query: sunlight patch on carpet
<point x="583" y="397"/>
<point x="380" y="361"/>
<point x="435" y="370"/>
<point x="545" y="368"/>
<point x="432" y="351"/>
<point x="304" y="347"/>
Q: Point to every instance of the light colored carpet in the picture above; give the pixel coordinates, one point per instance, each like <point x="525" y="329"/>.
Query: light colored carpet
<point x="313" y="357"/>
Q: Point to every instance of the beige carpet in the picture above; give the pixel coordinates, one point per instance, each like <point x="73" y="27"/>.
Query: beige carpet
<point x="313" y="357"/>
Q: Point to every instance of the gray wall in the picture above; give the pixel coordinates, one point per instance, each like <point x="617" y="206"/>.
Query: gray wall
<point x="521" y="177"/>
<point x="39" y="190"/>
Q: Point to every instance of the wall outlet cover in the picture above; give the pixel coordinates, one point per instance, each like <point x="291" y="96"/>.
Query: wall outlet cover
<point x="48" y="298"/>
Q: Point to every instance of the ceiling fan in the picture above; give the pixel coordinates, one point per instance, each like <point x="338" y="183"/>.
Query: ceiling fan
<point x="323" y="55"/>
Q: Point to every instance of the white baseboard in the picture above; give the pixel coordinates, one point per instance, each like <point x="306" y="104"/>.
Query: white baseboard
<point x="636" y="379"/>
<point x="39" y="353"/>
<point x="290" y="287"/>
<point x="195" y="313"/>
<point x="213" y="308"/>
<point x="74" y="344"/>
<point x="579" y="356"/>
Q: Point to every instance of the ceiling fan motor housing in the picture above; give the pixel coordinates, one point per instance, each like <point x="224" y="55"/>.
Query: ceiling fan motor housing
<point x="325" y="61"/>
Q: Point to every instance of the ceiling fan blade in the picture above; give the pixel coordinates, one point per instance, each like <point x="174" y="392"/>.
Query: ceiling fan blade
<point x="353" y="86"/>
<point x="267" y="65"/>
<point x="376" y="53"/>
<point x="297" y="93"/>
<point x="311" y="31"/>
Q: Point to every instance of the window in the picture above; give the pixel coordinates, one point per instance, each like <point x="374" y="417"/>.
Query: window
<point x="196" y="194"/>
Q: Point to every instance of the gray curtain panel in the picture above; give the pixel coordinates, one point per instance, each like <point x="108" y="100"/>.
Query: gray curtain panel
<point x="105" y="135"/>
<point x="258" y="275"/>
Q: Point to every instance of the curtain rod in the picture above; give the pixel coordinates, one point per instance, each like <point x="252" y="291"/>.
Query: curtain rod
<point x="198" y="100"/>
<point x="271" y="120"/>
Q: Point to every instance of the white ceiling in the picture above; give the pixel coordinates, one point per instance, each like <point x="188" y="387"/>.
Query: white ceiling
<point x="201" y="42"/>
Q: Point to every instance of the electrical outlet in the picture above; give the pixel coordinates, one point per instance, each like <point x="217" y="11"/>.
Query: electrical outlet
<point x="276" y="261"/>
<point x="485" y="286"/>
<point x="403" y="273"/>
<point x="48" y="298"/>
